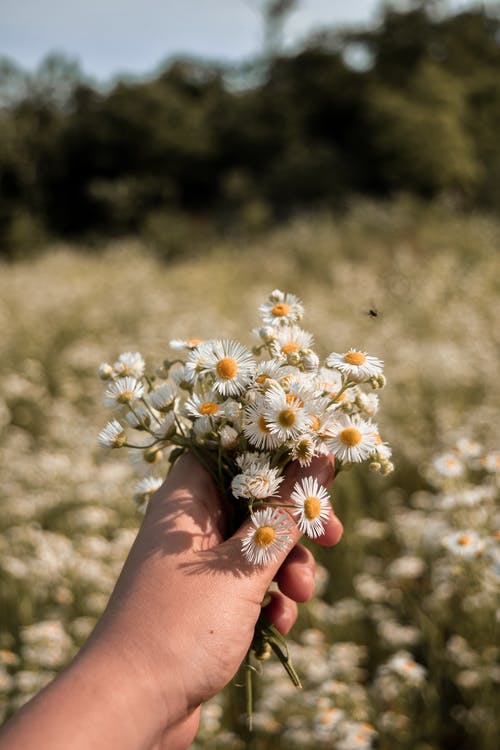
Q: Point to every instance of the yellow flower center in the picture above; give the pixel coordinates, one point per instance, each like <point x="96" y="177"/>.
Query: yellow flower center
<point x="209" y="408"/>
<point x="350" y="436"/>
<point x="287" y="418"/>
<point x="262" y="424"/>
<point x="312" y="507"/>
<point x="281" y="309"/>
<point x="328" y="715"/>
<point x="264" y="536"/>
<point x="303" y="449"/>
<point x="124" y="397"/>
<point x="409" y="665"/>
<point x="227" y="368"/>
<point x="292" y="346"/>
<point x="119" y="440"/>
<point x="193" y="342"/>
<point x="355" y="358"/>
<point x="260" y="379"/>
<point x="464" y="540"/>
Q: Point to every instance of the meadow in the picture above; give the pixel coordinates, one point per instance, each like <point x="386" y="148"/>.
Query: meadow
<point x="400" y="646"/>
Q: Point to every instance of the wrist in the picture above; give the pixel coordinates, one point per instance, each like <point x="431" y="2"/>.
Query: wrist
<point x="111" y="673"/>
<point x="100" y="701"/>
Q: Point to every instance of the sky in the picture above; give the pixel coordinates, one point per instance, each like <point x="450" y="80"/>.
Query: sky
<point x="119" y="37"/>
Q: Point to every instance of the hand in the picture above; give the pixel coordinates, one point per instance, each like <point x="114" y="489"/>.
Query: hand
<point x="178" y="625"/>
<point x="203" y="618"/>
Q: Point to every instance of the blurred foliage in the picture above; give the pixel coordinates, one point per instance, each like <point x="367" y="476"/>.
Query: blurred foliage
<point x="412" y="104"/>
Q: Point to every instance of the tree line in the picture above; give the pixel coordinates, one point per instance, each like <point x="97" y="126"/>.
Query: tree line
<point x="410" y="105"/>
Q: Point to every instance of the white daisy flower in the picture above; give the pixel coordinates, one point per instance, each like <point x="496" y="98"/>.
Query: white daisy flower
<point x="284" y="414"/>
<point x="303" y="450"/>
<point x="357" y="366"/>
<point x="140" y="418"/>
<point x="184" y="344"/>
<point x="403" y="664"/>
<point x="129" y="363"/>
<point x="351" y="439"/>
<point x="356" y="734"/>
<point x="257" y="482"/>
<point x="123" y="391"/>
<point x="466" y="543"/>
<point x="256" y="429"/>
<point x="290" y="341"/>
<point x="246" y="459"/>
<point x="195" y="364"/>
<point x="468" y="448"/>
<point x="231" y="366"/>
<point x="206" y="411"/>
<point x="112" y="436"/>
<point x="449" y="465"/>
<point x="327" y="719"/>
<point x="163" y="398"/>
<point x="281" y="310"/>
<point x="313" y="506"/>
<point x="268" y="536"/>
<point x="105" y="371"/>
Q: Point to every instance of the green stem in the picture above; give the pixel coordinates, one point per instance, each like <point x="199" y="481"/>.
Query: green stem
<point x="249" y="691"/>
<point x="148" y="408"/>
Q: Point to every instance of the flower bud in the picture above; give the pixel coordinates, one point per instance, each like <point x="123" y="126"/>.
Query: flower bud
<point x="228" y="437"/>
<point x="310" y="360"/>
<point x="387" y="468"/>
<point x="377" y="381"/>
<point x="267" y="333"/>
<point x="293" y="358"/>
<point x="153" y="454"/>
<point x="105" y="371"/>
<point x="263" y="652"/>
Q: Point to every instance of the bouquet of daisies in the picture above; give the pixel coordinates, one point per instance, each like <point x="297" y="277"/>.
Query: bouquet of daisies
<point x="246" y="414"/>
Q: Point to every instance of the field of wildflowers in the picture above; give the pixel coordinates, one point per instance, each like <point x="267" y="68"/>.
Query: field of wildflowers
<point x="400" y="646"/>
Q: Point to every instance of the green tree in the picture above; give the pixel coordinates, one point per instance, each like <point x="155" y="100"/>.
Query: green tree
<point x="420" y="133"/>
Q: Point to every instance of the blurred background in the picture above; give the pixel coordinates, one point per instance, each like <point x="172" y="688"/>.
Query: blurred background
<point x="162" y="169"/>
